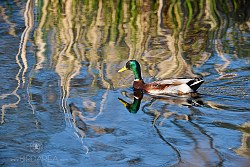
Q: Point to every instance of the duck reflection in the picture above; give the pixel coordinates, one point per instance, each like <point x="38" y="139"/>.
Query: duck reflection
<point x="192" y="99"/>
<point x="135" y="106"/>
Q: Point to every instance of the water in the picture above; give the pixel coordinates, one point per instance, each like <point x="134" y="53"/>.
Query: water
<point x="60" y="85"/>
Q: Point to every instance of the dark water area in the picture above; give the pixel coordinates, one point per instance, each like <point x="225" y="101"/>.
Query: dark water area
<point x="63" y="102"/>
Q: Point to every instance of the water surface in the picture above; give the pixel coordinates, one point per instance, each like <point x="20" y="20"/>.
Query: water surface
<point x="60" y="86"/>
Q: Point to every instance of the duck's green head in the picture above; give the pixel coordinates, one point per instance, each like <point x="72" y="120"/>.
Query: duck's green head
<point x="134" y="66"/>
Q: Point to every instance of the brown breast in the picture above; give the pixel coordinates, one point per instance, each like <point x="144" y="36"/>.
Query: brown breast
<point x="139" y="84"/>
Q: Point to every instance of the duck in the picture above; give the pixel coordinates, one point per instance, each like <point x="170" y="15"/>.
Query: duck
<point x="178" y="86"/>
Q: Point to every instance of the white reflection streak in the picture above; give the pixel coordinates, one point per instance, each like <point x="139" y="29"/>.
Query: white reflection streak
<point x="28" y="17"/>
<point x="25" y="36"/>
<point x="12" y="105"/>
<point x="39" y="36"/>
<point x="84" y="146"/>
<point x="22" y="44"/>
<point x="64" y="97"/>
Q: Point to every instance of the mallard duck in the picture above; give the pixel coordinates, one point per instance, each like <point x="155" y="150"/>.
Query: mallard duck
<point x="178" y="86"/>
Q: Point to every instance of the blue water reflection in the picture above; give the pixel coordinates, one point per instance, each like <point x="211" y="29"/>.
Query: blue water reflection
<point x="62" y="99"/>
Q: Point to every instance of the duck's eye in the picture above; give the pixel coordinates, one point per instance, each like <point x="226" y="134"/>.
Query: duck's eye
<point x="128" y="66"/>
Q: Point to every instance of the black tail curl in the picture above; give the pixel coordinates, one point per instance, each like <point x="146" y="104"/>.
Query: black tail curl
<point x="195" y="83"/>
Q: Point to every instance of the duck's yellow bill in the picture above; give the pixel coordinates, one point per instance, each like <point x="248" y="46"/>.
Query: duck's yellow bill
<point x="123" y="102"/>
<point x="123" y="69"/>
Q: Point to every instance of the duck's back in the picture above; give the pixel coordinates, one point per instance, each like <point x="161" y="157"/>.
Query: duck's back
<point x="176" y="86"/>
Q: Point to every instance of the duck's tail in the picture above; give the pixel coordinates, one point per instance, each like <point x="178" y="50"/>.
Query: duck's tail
<point x="195" y="83"/>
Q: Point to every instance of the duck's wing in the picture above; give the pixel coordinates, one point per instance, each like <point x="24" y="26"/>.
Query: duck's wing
<point x="173" y="81"/>
<point x="193" y="83"/>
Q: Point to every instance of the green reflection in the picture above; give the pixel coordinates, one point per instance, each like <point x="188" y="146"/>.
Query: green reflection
<point x="135" y="106"/>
